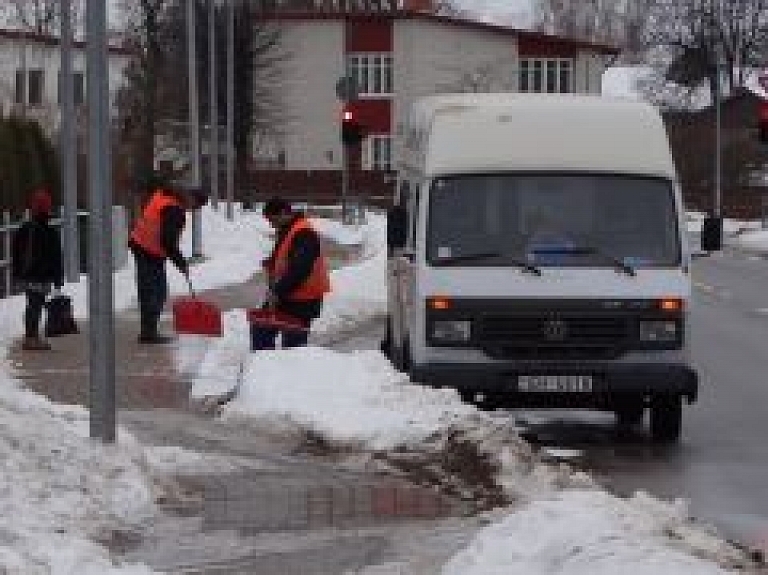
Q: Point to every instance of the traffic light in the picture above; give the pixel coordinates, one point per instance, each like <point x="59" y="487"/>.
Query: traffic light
<point x="352" y="131"/>
<point x="762" y="122"/>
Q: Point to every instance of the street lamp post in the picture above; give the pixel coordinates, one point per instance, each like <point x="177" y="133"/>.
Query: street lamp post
<point x="68" y="147"/>
<point x="718" y="199"/>
<point x="100" y="292"/>
<point x="194" y="124"/>
<point x="213" y="146"/>
<point x="230" y="109"/>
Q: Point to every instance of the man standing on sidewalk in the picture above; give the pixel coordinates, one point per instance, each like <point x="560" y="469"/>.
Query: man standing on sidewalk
<point x="154" y="239"/>
<point x="297" y="273"/>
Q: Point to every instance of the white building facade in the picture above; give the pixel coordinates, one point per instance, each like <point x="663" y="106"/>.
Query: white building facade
<point x="395" y="59"/>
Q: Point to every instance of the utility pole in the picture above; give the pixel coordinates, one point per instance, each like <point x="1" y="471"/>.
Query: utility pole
<point x="231" y="110"/>
<point x="194" y="124"/>
<point x="213" y="147"/>
<point x="100" y="306"/>
<point x="68" y="148"/>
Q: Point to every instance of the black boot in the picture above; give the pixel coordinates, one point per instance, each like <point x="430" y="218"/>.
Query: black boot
<point x="149" y="333"/>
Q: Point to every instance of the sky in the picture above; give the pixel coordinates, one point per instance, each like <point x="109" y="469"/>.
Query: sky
<point x="63" y="491"/>
<point x="517" y="13"/>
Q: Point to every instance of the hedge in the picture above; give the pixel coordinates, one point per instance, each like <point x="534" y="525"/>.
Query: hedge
<point x="28" y="161"/>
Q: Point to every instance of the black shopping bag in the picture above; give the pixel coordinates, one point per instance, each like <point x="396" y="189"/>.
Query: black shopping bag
<point x="60" y="318"/>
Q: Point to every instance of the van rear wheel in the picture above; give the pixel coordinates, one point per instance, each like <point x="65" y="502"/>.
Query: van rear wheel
<point x="666" y="418"/>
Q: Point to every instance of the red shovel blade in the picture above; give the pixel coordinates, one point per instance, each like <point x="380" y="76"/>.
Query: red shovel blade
<point x="275" y="319"/>
<point x="194" y="316"/>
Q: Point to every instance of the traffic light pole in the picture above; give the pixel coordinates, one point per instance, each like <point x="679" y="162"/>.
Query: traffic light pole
<point x="344" y="183"/>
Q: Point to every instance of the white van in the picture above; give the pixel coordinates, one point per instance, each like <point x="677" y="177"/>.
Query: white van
<point x="538" y="256"/>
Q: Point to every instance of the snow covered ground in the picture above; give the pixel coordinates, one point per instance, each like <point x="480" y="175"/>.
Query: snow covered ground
<point x="61" y="492"/>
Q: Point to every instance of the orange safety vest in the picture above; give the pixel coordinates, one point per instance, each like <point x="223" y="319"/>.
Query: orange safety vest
<point x="148" y="229"/>
<point x="317" y="284"/>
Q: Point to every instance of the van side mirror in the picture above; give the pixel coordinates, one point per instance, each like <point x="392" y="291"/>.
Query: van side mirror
<point x="712" y="234"/>
<point x="397" y="227"/>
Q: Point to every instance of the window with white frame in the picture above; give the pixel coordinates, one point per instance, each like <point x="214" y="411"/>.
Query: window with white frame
<point x="551" y="75"/>
<point x="378" y="152"/>
<point x="371" y="71"/>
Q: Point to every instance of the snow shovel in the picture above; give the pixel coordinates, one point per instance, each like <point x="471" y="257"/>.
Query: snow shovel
<point x="193" y="316"/>
<point x="271" y="319"/>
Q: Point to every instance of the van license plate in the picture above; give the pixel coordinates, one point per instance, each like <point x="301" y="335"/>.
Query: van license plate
<point x="554" y="383"/>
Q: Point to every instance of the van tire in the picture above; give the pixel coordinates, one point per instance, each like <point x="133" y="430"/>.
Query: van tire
<point x="666" y="418"/>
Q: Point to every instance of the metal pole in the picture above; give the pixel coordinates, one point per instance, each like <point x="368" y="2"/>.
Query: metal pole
<point x="214" y="106"/>
<point x="194" y="124"/>
<point x="718" y="141"/>
<point x="100" y="307"/>
<point x="344" y="181"/>
<point x="7" y="251"/>
<point x="68" y="146"/>
<point x="230" y="110"/>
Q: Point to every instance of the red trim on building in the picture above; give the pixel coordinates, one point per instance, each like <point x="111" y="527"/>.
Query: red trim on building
<point x="374" y="114"/>
<point x="536" y="46"/>
<point x="368" y="36"/>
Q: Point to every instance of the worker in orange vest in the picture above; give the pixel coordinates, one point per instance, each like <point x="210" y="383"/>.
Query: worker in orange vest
<point x="154" y="239"/>
<point x="297" y="275"/>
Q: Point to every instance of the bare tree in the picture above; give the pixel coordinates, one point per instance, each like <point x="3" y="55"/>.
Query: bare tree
<point x="156" y="96"/>
<point x="38" y="16"/>
<point x="139" y="100"/>
<point x="694" y="32"/>
<point x="601" y="20"/>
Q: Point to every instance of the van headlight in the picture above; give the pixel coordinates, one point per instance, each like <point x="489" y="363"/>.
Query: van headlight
<point x="659" y="331"/>
<point x="452" y="331"/>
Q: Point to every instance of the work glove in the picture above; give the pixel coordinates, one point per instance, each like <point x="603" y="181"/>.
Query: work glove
<point x="270" y="300"/>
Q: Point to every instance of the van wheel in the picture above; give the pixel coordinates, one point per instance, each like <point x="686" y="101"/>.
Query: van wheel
<point x="666" y="418"/>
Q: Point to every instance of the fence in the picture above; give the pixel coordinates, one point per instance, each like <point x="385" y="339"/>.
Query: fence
<point x="8" y="227"/>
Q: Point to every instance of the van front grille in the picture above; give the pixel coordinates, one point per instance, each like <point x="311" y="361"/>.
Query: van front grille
<point x="553" y="337"/>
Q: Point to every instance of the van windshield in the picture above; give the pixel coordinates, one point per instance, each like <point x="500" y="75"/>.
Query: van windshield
<point x="563" y="220"/>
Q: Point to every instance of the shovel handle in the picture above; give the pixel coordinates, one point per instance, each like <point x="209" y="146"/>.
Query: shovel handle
<point x="189" y="284"/>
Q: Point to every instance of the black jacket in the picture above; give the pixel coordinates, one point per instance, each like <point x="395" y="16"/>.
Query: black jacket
<point x="172" y="226"/>
<point x="305" y="249"/>
<point x="36" y="253"/>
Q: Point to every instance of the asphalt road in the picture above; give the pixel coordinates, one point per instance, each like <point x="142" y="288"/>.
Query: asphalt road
<point x="721" y="463"/>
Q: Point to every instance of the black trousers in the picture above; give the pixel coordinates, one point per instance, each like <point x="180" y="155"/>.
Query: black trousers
<point x="305" y="311"/>
<point x="33" y="312"/>
<point x="152" y="288"/>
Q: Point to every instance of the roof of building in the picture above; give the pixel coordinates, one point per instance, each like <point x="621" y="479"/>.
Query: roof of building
<point x="49" y="40"/>
<point x="287" y="15"/>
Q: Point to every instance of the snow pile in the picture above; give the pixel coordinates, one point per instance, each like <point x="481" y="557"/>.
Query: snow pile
<point x="62" y="493"/>
<point x="359" y="290"/>
<point x="354" y="397"/>
<point x="589" y="532"/>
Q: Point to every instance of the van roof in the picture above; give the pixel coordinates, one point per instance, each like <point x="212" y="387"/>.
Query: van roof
<point x="464" y="133"/>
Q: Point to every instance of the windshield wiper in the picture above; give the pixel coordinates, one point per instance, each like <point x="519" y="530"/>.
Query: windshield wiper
<point x="618" y="263"/>
<point x="462" y="258"/>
